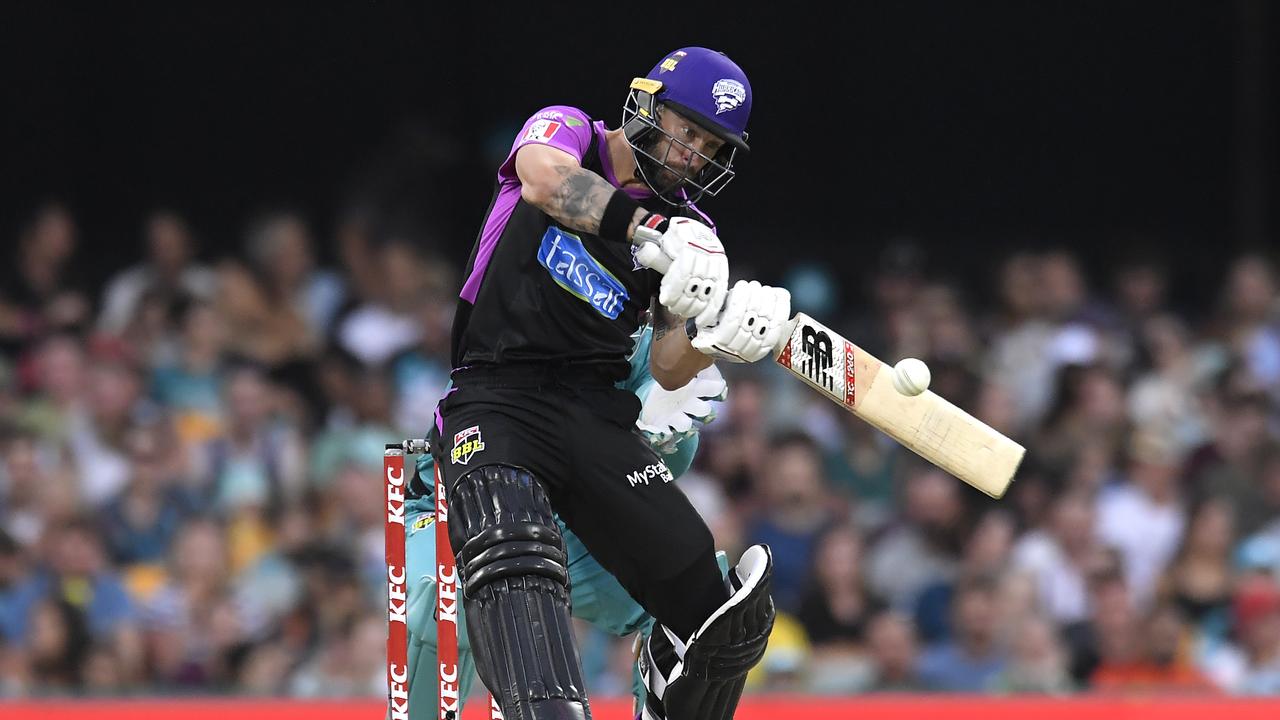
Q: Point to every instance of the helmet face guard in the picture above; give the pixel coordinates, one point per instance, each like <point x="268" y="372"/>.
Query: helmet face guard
<point x="652" y="145"/>
<point x="708" y="89"/>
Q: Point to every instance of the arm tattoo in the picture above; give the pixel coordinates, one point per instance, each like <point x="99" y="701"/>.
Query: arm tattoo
<point x="580" y="199"/>
<point x="661" y="322"/>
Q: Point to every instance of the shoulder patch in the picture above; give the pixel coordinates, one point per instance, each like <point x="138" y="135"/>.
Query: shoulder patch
<point x="542" y="131"/>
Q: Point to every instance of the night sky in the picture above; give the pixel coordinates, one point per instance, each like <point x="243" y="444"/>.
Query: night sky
<point x="973" y="128"/>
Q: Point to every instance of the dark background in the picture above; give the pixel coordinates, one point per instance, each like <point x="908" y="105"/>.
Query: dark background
<point x="974" y="126"/>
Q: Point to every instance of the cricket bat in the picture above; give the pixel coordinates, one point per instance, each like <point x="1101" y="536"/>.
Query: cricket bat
<point x="926" y="424"/>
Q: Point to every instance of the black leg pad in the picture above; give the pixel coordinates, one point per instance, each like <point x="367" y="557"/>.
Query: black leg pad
<point x="515" y="589"/>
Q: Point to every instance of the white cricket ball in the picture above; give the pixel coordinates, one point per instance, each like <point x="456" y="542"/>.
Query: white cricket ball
<point x="910" y="376"/>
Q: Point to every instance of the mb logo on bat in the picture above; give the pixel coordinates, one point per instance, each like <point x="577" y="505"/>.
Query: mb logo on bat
<point x="816" y="346"/>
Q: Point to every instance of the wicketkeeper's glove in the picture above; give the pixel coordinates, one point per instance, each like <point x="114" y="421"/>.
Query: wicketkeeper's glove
<point x="669" y="416"/>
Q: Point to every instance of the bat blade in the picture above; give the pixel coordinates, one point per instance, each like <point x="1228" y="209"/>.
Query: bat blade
<point x="927" y="423"/>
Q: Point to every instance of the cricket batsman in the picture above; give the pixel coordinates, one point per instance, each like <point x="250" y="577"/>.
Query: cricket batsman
<point x="536" y="427"/>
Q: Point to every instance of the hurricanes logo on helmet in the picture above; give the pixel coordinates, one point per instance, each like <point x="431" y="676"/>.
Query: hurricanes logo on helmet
<point x="729" y="94"/>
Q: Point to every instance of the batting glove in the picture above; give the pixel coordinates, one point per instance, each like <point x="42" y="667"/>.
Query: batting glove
<point x="754" y="320"/>
<point x="695" y="268"/>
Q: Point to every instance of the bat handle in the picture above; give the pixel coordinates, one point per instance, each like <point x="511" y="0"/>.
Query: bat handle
<point x="644" y="235"/>
<point x="785" y="340"/>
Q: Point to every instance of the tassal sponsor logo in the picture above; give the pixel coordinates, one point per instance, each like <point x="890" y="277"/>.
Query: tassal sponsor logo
<point x="574" y="269"/>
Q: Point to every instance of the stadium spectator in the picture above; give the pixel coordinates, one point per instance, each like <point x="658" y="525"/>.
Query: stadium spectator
<point x="973" y="658"/>
<point x="169" y="271"/>
<point x="795" y="511"/>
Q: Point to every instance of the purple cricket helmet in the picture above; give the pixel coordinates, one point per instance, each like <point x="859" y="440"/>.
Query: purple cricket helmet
<point x="704" y="86"/>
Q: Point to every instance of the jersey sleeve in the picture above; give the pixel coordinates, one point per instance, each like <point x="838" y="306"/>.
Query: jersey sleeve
<point x="560" y="126"/>
<point x="641" y="379"/>
<point x="427" y="471"/>
<point x="639" y="359"/>
<point x="681" y="460"/>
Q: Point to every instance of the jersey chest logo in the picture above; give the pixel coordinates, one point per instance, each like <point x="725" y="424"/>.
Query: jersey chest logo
<point x="584" y="277"/>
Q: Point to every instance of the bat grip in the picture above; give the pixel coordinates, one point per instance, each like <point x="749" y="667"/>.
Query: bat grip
<point x="644" y="235"/>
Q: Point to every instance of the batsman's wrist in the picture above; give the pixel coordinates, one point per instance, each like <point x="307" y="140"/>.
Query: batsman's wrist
<point x="623" y="214"/>
<point x="651" y="220"/>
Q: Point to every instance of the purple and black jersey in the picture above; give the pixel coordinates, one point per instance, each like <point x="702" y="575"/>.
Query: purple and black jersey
<point x="537" y="291"/>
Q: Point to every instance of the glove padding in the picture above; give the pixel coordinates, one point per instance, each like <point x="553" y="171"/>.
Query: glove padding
<point x="668" y="416"/>
<point x="695" y="268"/>
<point x="754" y="319"/>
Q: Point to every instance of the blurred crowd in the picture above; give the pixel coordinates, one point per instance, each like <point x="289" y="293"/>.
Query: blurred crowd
<point x="190" y="456"/>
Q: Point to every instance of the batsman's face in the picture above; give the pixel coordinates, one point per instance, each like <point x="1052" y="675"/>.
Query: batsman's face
<point x="687" y="150"/>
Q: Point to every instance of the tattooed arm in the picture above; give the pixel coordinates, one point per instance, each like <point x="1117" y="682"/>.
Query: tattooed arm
<point x="673" y="361"/>
<point x="552" y="181"/>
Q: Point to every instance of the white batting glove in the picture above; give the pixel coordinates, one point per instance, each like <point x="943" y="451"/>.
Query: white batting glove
<point x="754" y="319"/>
<point x="695" y="268"/>
<point x="668" y="416"/>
